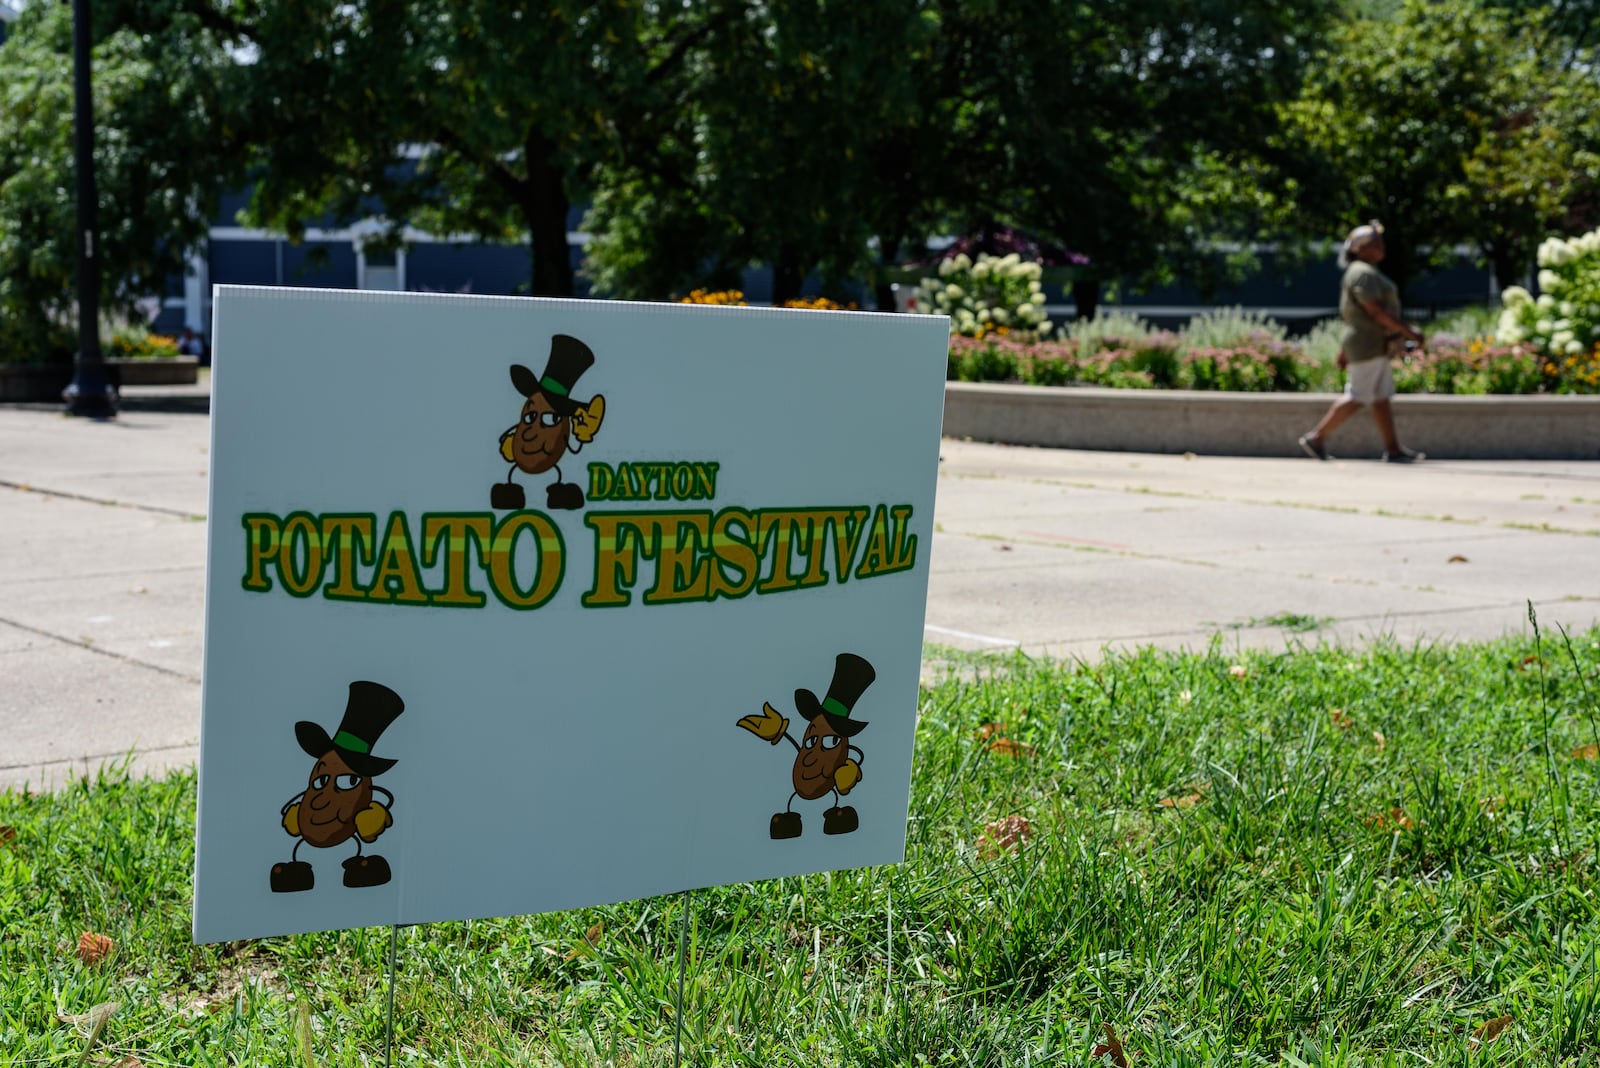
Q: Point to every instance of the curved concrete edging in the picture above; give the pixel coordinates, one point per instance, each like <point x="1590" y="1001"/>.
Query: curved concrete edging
<point x="1268" y="424"/>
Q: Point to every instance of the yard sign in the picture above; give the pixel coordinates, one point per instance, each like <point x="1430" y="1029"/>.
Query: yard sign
<point x="524" y="605"/>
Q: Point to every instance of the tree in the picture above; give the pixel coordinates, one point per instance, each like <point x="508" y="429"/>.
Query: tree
<point x="799" y="138"/>
<point x="1450" y="122"/>
<point x="812" y="136"/>
<point x="484" y="117"/>
<point x="161" y="95"/>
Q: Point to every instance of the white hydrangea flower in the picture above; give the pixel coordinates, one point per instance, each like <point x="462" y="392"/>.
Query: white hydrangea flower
<point x="1025" y="312"/>
<point x="1515" y="297"/>
<point x="1567" y="308"/>
<point x="1562" y="338"/>
<point x="1549" y="280"/>
<point x="1545" y="302"/>
<point x="962" y="261"/>
<point x="953" y="291"/>
<point x="1045" y="327"/>
<point x="1001" y="316"/>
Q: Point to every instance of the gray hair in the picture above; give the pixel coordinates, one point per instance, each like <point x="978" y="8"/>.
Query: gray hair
<point x="1357" y="238"/>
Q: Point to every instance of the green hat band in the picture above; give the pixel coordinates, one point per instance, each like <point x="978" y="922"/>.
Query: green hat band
<point x="550" y="385"/>
<point x="346" y="740"/>
<point x="831" y="704"/>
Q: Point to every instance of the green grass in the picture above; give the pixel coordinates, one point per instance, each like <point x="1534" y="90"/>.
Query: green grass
<point x="1364" y="856"/>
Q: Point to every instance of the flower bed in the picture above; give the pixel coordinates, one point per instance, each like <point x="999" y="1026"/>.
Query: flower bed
<point x="1263" y="364"/>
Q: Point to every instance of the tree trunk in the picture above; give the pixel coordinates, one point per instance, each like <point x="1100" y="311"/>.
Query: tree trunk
<point x="1507" y="270"/>
<point x="883" y="292"/>
<point x="1085" y="298"/>
<point x="546" y="210"/>
<point x="786" y="278"/>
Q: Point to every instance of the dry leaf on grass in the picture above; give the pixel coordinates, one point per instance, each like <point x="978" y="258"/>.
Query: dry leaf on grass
<point x="1185" y="696"/>
<point x="1380" y="741"/>
<point x="1395" y="817"/>
<point x="130" y="1061"/>
<point x="94" y="948"/>
<point x="1111" y="1047"/>
<point x="1340" y="719"/>
<point x="988" y="730"/>
<point x="1188" y="800"/>
<point x="1002" y="835"/>
<point x="591" y="940"/>
<point x="1239" y="671"/>
<point x="1487" y="1032"/>
<point x="1011" y="747"/>
<point x="8" y="834"/>
<point x="1530" y="662"/>
<point x="1586" y="752"/>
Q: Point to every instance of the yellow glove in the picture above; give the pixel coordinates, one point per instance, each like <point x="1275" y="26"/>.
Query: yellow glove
<point x="586" y="419"/>
<point x="768" y="726"/>
<point x="291" y="818"/>
<point x="845" y="779"/>
<point x="505" y="445"/>
<point x="373" y="821"/>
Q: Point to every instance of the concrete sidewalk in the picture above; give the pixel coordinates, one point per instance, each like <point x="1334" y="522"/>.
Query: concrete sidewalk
<point x="102" y="564"/>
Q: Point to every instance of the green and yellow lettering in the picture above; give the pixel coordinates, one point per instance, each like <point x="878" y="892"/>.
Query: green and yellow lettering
<point x="875" y="560"/>
<point x="732" y="545"/>
<point x="396" y="575"/>
<point x="548" y="552"/>
<point x="616" y="557"/>
<point x="449" y="538"/>
<point x="601" y="481"/>
<point x="343" y="536"/>
<point x="680" y="540"/>
<point x="263" y="533"/>
<point x="302" y="541"/>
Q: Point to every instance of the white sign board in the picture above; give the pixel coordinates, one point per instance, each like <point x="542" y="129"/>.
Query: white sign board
<point x="522" y="605"/>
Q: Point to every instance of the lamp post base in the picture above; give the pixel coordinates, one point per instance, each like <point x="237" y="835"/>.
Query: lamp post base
<point x="90" y="394"/>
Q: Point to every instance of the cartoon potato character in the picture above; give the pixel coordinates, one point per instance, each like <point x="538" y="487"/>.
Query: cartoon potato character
<point x="338" y="803"/>
<point x="551" y="425"/>
<point x="823" y="763"/>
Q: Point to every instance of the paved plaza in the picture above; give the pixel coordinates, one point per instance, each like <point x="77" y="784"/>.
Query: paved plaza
<point x="1055" y="552"/>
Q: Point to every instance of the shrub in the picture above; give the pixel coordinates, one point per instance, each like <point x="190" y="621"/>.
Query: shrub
<point x="1222" y="328"/>
<point x="1108" y="330"/>
<point x="1565" y="319"/>
<point x="994" y="295"/>
<point x="138" y="343"/>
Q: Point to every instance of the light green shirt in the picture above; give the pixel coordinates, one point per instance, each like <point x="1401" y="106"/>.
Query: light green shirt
<point x="1363" y="335"/>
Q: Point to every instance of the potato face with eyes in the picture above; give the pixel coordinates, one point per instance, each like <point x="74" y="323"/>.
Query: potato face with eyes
<point x="334" y="794"/>
<point x="539" y="439"/>
<point x="822" y="752"/>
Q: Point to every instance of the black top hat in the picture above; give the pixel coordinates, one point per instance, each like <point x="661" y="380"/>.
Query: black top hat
<point x="569" y="358"/>
<point x="372" y="707"/>
<point x="851" y="677"/>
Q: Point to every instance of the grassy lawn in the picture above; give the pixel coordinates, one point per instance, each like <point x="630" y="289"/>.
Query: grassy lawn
<point x="1314" y="857"/>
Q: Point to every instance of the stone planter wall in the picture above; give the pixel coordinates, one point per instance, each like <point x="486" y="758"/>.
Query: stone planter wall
<point x="1268" y="424"/>
<point x="44" y="384"/>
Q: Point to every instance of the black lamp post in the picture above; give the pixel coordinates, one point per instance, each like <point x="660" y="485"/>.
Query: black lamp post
<point x="90" y="393"/>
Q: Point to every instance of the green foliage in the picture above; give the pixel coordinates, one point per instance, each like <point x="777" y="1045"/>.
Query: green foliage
<point x="995" y="295"/>
<point x="163" y="89"/>
<point x="1310" y="856"/>
<point x="1451" y="123"/>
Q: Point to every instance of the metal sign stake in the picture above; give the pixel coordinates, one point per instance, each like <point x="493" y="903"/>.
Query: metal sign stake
<point x="683" y="945"/>
<point x="388" y="1025"/>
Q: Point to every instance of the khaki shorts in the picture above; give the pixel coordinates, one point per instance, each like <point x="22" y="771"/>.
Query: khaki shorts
<point x="1370" y="380"/>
